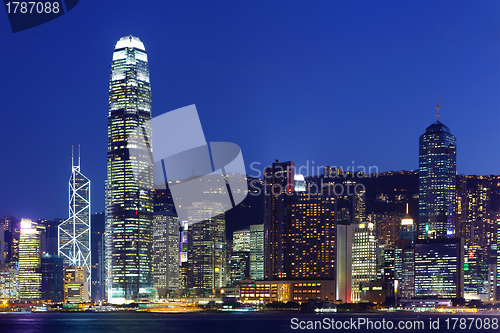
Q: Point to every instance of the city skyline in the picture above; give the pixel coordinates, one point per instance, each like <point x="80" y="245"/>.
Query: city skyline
<point x="386" y="78"/>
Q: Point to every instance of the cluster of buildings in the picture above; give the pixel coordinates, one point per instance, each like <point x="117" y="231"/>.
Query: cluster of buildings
<point x="316" y="240"/>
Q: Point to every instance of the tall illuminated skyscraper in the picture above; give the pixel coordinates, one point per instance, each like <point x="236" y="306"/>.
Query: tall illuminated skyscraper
<point x="206" y="246"/>
<point x="165" y="252"/>
<point x="364" y="258"/>
<point x="437" y="182"/>
<point x="74" y="233"/>
<point x="438" y="251"/>
<point x="129" y="185"/>
<point x="30" y="276"/>
<point x="257" y="252"/>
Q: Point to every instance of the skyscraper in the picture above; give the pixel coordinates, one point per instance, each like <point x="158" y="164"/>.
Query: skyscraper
<point x="206" y="246"/>
<point x="129" y="199"/>
<point x="364" y="258"/>
<point x="437" y="182"/>
<point x="279" y="186"/>
<point x="241" y="240"/>
<point x="312" y="231"/>
<point x="439" y="268"/>
<point x="52" y="278"/>
<point x="257" y="252"/>
<point x="439" y="248"/>
<point x="74" y="233"/>
<point x="165" y="252"/>
<point x="30" y="276"/>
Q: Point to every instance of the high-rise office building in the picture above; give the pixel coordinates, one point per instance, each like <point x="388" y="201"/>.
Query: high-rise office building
<point x="52" y="278"/>
<point x="257" y="252"/>
<point x="9" y="284"/>
<point x="239" y="261"/>
<point x="343" y="278"/>
<point x="439" y="264"/>
<point x="476" y="272"/>
<point x="437" y="182"/>
<point x="11" y="233"/>
<point x="239" y="266"/>
<point x="165" y="253"/>
<point x="3" y="246"/>
<point x="30" y="276"/>
<point x="206" y="257"/>
<point x="439" y="268"/>
<point x="129" y="184"/>
<point x="312" y="231"/>
<point x="241" y="240"/>
<point x="279" y="185"/>
<point x="364" y="258"/>
<point x="407" y="283"/>
<point x="74" y="233"/>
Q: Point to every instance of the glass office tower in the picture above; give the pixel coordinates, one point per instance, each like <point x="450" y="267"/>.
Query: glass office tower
<point x="206" y="260"/>
<point x="129" y="198"/>
<point x="437" y="182"/>
<point x="30" y="276"/>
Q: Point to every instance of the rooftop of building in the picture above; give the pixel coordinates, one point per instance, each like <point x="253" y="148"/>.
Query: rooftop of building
<point x="130" y="41"/>
<point x="437" y="127"/>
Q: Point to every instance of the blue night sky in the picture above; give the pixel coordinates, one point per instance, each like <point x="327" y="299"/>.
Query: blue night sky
<point x="331" y="82"/>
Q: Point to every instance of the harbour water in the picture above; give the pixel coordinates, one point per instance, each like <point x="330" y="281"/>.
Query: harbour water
<point x="258" y="322"/>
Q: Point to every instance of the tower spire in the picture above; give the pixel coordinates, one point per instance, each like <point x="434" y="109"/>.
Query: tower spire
<point x="72" y="164"/>
<point x="437" y="108"/>
<point x="78" y="156"/>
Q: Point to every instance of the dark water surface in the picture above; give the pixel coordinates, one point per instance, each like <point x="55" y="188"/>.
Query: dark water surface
<point x="260" y="322"/>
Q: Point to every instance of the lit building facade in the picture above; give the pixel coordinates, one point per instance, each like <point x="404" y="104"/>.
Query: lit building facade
<point x="286" y="291"/>
<point x="364" y="258"/>
<point x="30" y="276"/>
<point x="300" y="224"/>
<point x="75" y="284"/>
<point x="257" y="252"/>
<point x="206" y="257"/>
<point x="312" y="231"/>
<point x="241" y="240"/>
<point x="344" y="242"/>
<point x="476" y="272"/>
<point x="9" y="284"/>
<point x="165" y="253"/>
<point x="437" y="182"/>
<point x="439" y="268"/>
<point x="239" y="265"/>
<point x="439" y="263"/>
<point x="129" y="185"/>
<point x="74" y="233"/>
